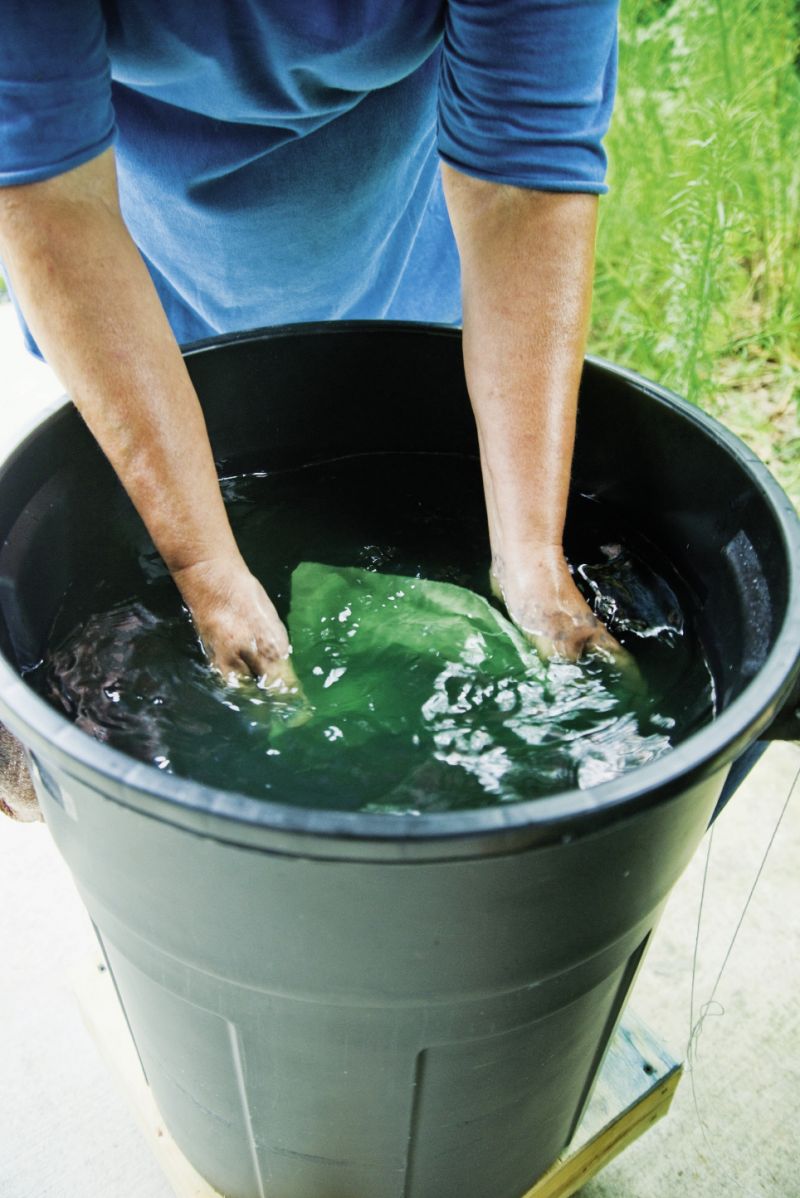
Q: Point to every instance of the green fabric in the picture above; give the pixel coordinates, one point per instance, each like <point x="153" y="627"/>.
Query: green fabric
<point x="420" y="696"/>
<point x="413" y="692"/>
<point x="381" y="652"/>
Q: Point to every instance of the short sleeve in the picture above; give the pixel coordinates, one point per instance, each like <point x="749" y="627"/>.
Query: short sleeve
<point x="526" y="91"/>
<point x="55" y="88"/>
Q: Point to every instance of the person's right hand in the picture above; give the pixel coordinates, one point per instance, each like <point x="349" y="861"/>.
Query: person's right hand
<point x="237" y="623"/>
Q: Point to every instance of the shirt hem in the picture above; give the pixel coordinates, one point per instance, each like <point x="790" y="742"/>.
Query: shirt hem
<point x="38" y="174"/>
<point x="563" y="186"/>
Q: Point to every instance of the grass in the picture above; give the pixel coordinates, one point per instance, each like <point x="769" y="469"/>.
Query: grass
<point x="698" y="271"/>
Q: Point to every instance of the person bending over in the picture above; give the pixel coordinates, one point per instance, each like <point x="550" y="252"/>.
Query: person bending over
<point x="165" y="178"/>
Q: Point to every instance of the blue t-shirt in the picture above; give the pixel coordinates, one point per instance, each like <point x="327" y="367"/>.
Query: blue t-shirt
<point x="278" y="161"/>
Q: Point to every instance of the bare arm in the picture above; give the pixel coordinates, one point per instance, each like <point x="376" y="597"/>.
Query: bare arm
<point x="527" y="261"/>
<point x="92" y="307"/>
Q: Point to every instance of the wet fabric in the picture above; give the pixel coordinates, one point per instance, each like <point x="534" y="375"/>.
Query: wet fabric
<point x="278" y="161"/>
<point x="426" y="685"/>
<point x="381" y="652"/>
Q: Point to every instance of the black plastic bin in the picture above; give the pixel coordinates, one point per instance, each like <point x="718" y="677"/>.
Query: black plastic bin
<point x="342" y="1005"/>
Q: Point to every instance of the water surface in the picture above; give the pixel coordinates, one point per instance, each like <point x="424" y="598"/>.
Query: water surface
<point x="415" y="698"/>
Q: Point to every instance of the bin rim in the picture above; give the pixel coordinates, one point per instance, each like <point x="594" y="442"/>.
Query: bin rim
<point x="563" y="815"/>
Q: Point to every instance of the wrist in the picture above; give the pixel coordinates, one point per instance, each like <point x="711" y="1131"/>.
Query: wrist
<point x="536" y="577"/>
<point x="209" y="579"/>
<point x="531" y="559"/>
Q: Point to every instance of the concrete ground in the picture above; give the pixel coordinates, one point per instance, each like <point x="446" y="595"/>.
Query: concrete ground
<point x="65" y="1132"/>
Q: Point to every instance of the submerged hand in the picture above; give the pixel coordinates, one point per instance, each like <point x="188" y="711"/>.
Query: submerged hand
<point x="547" y="607"/>
<point x="237" y="623"/>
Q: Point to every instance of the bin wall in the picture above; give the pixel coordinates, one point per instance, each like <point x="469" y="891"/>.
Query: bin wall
<point x="357" y="1029"/>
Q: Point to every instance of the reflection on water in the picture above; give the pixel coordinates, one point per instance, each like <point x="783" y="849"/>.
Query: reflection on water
<point x="417" y="697"/>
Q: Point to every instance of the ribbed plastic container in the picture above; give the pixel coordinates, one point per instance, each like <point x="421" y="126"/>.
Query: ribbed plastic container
<point x="337" y="1005"/>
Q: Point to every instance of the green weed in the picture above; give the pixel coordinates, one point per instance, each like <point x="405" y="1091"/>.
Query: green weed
<point x="698" y="274"/>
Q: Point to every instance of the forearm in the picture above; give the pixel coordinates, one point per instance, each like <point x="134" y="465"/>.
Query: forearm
<point x="526" y="261"/>
<point x="526" y="264"/>
<point x="92" y="307"/>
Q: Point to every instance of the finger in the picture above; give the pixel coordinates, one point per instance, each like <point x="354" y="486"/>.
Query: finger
<point x="279" y="677"/>
<point x="230" y="664"/>
<point x="545" y="646"/>
<point x="273" y="671"/>
<point x="601" y="642"/>
<point x="494" y="585"/>
<point x="622" y="659"/>
<point x="280" y="682"/>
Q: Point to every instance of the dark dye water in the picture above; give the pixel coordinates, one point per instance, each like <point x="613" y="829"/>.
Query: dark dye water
<point x="398" y="714"/>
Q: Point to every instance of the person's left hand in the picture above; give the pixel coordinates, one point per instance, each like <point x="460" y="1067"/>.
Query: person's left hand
<point x="543" y="601"/>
